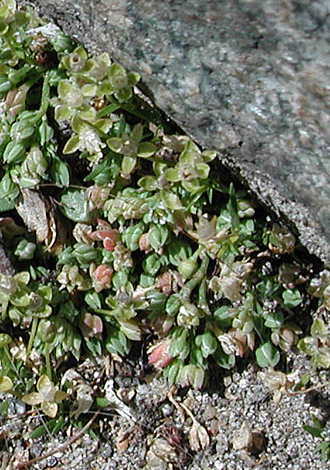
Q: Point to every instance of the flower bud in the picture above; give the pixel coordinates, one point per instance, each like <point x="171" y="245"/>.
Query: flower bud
<point x="159" y="354"/>
<point x="101" y="277"/>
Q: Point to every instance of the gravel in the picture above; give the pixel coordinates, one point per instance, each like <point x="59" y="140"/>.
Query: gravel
<point x="157" y="434"/>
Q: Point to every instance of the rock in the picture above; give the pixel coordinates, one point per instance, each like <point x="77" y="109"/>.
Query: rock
<point x="248" y="78"/>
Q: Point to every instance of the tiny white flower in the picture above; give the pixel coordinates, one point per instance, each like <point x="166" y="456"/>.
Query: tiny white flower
<point x="89" y="140"/>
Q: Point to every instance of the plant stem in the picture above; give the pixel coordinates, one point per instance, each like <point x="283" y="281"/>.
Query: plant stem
<point x="48" y="365"/>
<point x="197" y="279"/>
<point x="35" y="322"/>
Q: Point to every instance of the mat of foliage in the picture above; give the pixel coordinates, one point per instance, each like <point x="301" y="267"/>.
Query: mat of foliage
<point x="119" y="234"/>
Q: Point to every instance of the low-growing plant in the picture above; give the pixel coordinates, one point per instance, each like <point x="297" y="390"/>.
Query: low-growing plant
<point x="320" y="430"/>
<point x="127" y="231"/>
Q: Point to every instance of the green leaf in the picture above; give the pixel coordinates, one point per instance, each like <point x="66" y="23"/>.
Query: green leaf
<point x="156" y="300"/>
<point x="4" y="407"/>
<point x="4" y="340"/>
<point x="308" y="345"/>
<point x="101" y="402"/>
<point x="119" y="279"/>
<point x="158" y="236"/>
<point x="316" y="432"/>
<point x="192" y="186"/>
<point x="72" y="145"/>
<point x="63" y="112"/>
<point x="322" y="358"/>
<point x="46" y="331"/>
<point x="23" y="277"/>
<point x="146" y="280"/>
<point x="304" y="379"/>
<point x="115" y="144"/>
<point x="124" y="94"/>
<point x="21" y="130"/>
<point x="93" y="300"/>
<point x="45" y="133"/>
<point x="14" y="152"/>
<point x="61" y="42"/>
<point x="6" y="384"/>
<point x="94" y="346"/>
<point x="55" y="76"/>
<point x="172" y="371"/>
<point x="130" y="329"/>
<point x="118" y="75"/>
<point x="89" y="90"/>
<point x="132" y="235"/>
<point x="274" y="320"/>
<point x="187" y="268"/>
<point x="74" y="205"/>
<point x="116" y="342"/>
<point x="52" y="426"/>
<point x="209" y="155"/>
<point x="196" y="357"/>
<point x="232" y="207"/>
<point x="146" y="150"/>
<point x="106" y="88"/>
<point x="324" y="448"/>
<point x="267" y="355"/>
<point x="225" y="315"/>
<point x="111" y="108"/>
<point x="103" y="172"/>
<point x="319" y="328"/>
<point x="49" y="408"/>
<point x="207" y="342"/>
<point x="172" y="175"/>
<point x="178" y="250"/>
<point x="20" y="299"/>
<point x="171" y="200"/>
<point x="203" y="170"/>
<point x="128" y="164"/>
<point x="149" y="183"/>
<point x="39" y="431"/>
<point x="132" y="78"/>
<point x="173" y="305"/>
<point x="225" y="361"/>
<point x="5" y="85"/>
<point x="43" y="312"/>
<point x="292" y="298"/>
<point x="180" y="347"/>
<point x="151" y="264"/>
<point x="8" y="193"/>
<point x="60" y="172"/>
<point x="33" y="398"/>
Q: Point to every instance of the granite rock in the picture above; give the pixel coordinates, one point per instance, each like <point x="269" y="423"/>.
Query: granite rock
<point x="249" y="78"/>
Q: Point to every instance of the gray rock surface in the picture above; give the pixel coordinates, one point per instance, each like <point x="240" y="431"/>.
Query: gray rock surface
<point x="249" y="78"/>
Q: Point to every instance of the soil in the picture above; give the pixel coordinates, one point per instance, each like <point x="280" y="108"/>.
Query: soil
<point x="148" y="426"/>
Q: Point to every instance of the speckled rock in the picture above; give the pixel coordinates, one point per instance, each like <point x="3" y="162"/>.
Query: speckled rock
<point x="249" y="78"/>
